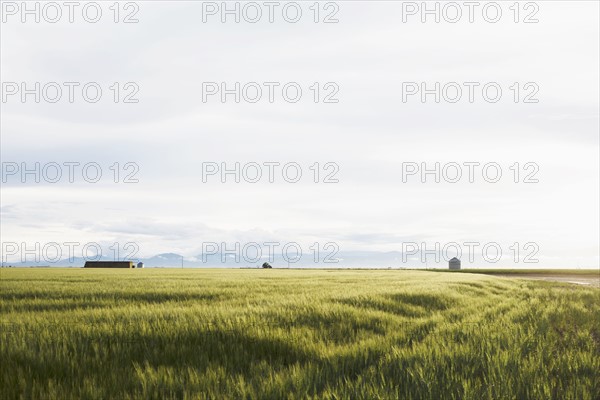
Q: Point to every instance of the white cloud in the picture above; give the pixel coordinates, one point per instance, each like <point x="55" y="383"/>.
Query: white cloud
<point x="369" y="133"/>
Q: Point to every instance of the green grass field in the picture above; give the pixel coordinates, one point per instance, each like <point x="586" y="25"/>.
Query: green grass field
<point x="287" y="334"/>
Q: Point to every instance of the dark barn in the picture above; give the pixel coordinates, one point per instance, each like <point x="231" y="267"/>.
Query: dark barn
<point x="109" y="264"/>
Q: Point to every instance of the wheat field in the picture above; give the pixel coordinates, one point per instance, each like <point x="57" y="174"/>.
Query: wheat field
<point x="293" y="334"/>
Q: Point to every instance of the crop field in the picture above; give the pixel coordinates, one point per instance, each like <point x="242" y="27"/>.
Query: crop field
<point x="288" y="334"/>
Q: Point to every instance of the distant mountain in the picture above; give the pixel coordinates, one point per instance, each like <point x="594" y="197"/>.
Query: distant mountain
<point x="163" y="260"/>
<point x="354" y="259"/>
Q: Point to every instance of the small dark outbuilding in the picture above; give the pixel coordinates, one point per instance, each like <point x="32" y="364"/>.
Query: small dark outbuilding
<point x="454" y="263"/>
<point x="108" y="264"/>
<point x="267" y="265"/>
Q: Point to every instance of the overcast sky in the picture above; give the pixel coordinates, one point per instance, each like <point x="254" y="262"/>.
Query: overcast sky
<point x="370" y="135"/>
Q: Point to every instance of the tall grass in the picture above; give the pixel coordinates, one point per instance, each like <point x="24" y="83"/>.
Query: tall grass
<point x="278" y="334"/>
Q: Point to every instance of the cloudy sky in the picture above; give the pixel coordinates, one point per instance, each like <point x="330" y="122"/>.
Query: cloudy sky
<point x="366" y="128"/>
